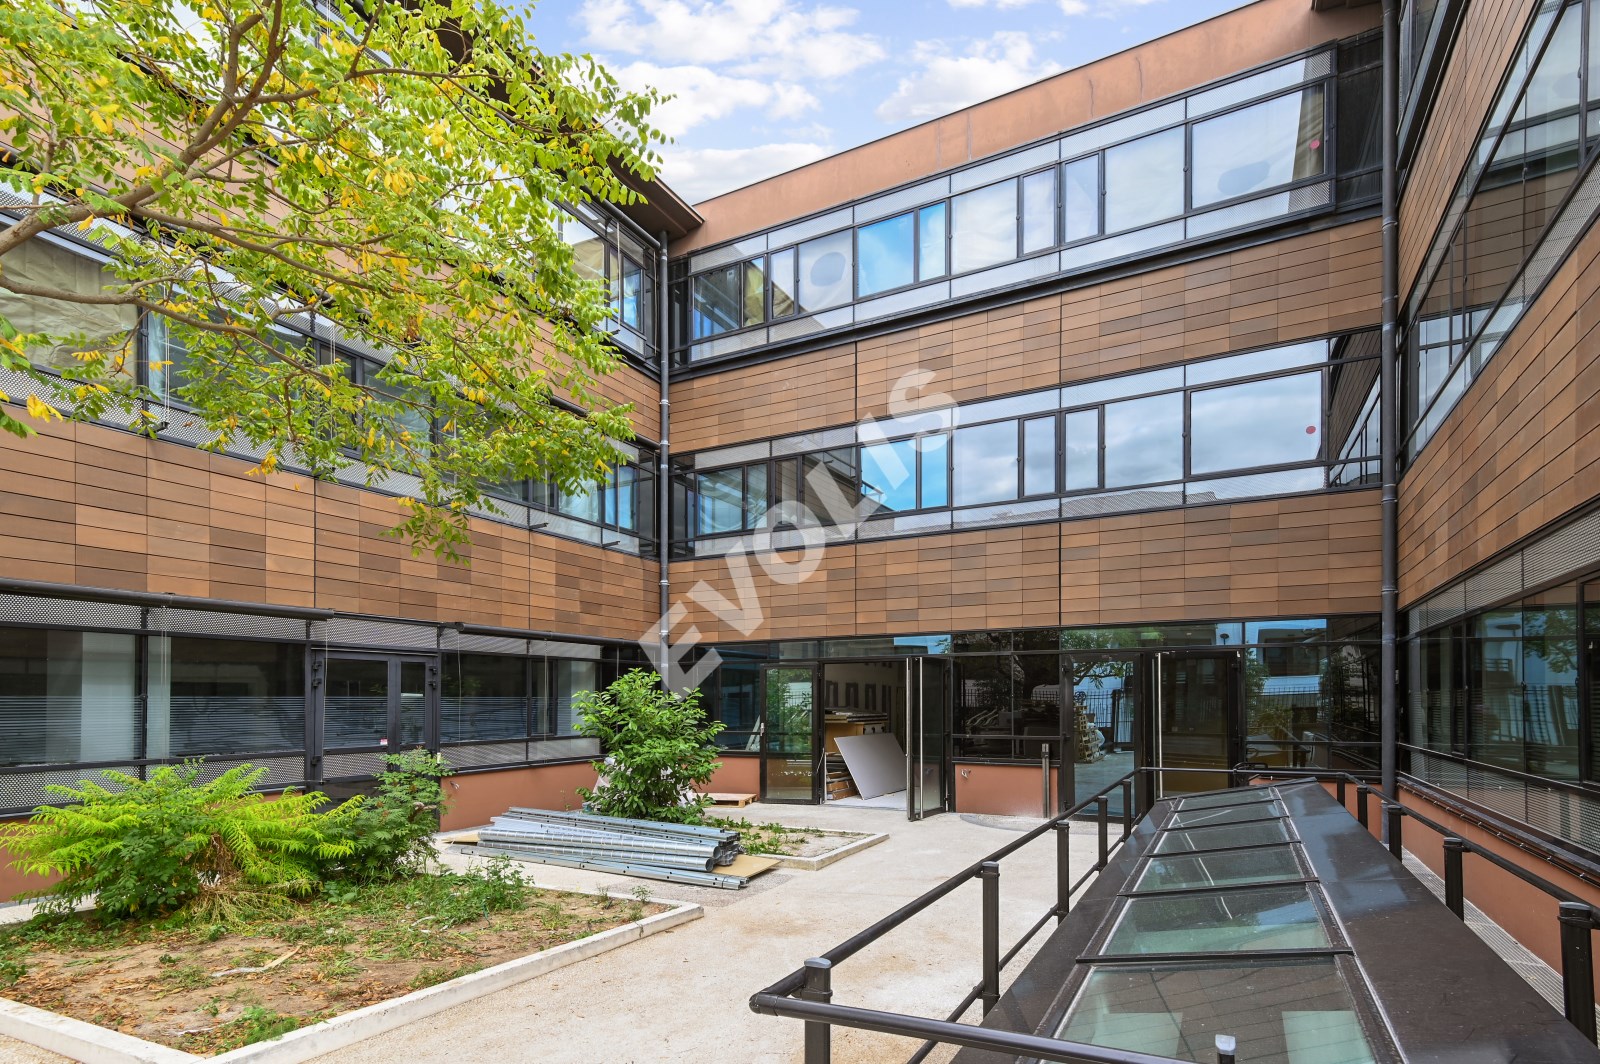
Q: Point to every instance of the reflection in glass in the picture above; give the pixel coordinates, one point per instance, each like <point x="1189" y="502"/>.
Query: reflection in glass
<point x="569" y="678"/>
<point x="1260" y="833"/>
<point x="930" y="242"/>
<point x="830" y="485"/>
<point x="1270" y="422"/>
<point x="720" y="501"/>
<point x="935" y="470"/>
<point x="780" y="271"/>
<point x="1522" y="671"/>
<point x="888" y="474"/>
<point x="1258" y="147"/>
<point x="588" y="248"/>
<point x="884" y="255"/>
<point x="1144" y="181"/>
<point x="755" y="495"/>
<point x="1226" y="814"/>
<point x="1259" y="918"/>
<point x="1082" y="199"/>
<point x="1229" y="868"/>
<point x="986" y="463"/>
<point x="715" y="302"/>
<point x="982" y="705"/>
<point x="1038" y="211"/>
<point x="983" y="227"/>
<point x="755" y="294"/>
<point x="825" y="272"/>
<point x="790" y="695"/>
<point x="211" y="696"/>
<point x="1083" y="450"/>
<point x="1144" y="440"/>
<point x="1039" y="456"/>
<point x="1297" y="1011"/>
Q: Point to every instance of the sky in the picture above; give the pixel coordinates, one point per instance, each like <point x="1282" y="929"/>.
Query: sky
<point x="763" y="86"/>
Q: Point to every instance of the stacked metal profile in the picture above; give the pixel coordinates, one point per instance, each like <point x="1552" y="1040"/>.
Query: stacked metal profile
<point x="677" y="852"/>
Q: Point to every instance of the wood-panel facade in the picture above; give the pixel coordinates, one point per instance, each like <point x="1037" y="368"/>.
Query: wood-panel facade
<point x="94" y="507"/>
<point x="1521" y="448"/>
<point x="1271" y="293"/>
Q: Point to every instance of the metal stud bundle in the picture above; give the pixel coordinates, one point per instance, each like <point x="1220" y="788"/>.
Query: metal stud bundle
<point x="677" y="852"/>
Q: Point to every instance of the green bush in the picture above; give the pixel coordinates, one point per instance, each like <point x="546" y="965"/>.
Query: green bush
<point x="174" y="842"/>
<point x="391" y="833"/>
<point x="657" y="748"/>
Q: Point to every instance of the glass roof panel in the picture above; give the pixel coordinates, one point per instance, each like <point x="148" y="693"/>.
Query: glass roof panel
<point x="1259" y="833"/>
<point x="1229" y="921"/>
<point x="1212" y="801"/>
<point x="1282" y="1012"/>
<point x="1228" y="868"/>
<point x="1200" y="818"/>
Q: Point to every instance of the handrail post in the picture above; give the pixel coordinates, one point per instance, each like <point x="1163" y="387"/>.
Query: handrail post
<point x="1227" y="1049"/>
<point x="1340" y="789"/>
<point x="1102" y="808"/>
<point x="1127" y="808"/>
<point x="1362" y="790"/>
<point x="1454" y="888"/>
<point x="1063" y="870"/>
<point x="989" y="872"/>
<point x="1393" y="813"/>
<point x="1577" y="966"/>
<point x="819" y="988"/>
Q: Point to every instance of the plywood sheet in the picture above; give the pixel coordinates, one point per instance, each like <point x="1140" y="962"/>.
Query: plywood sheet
<point x="876" y="763"/>
<point x="747" y="865"/>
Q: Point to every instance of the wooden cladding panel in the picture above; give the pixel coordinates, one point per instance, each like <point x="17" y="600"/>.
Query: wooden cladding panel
<point x="772" y="399"/>
<point x="1486" y="42"/>
<point x="626" y="384"/>
<point x="1308" y="555"/>
<point x="1521" y="448"/>
<point x="94" y="507"/>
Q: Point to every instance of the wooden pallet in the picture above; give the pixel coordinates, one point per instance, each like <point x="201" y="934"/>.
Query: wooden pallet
<point x="737" y="800"/>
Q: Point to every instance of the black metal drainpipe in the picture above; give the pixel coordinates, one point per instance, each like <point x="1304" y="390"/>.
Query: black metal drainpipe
<point x="1388" y="404"/>
<point x="663" y="478"/>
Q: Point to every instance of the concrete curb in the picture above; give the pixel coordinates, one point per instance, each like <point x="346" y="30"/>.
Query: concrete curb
<point x="823" y="860"/>
<point x="98" y="1045"/>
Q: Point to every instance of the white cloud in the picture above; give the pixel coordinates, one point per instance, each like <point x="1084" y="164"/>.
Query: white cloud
<point x="1001" y="4"/>
<point x="776" y="37"/>
<point x="946" y="82"/>
<point x="700" y="94"/>
<point x="699" y="173"/>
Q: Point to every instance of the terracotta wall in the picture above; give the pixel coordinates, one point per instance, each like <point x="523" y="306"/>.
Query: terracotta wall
<point x="1310" y="555"/>
<point x="95" y="507"/>
<point x="476" y="797"/>
<point x="1273" y="293"/>
<point x="1206" y="51"/>
<point x="736" y="775"/>
<point x="13" y="882"/>
<point x="1002" y="790"/>
<point x="1521" y="448"/>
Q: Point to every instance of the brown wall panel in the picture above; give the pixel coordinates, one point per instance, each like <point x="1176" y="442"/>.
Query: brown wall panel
<point x="476" y="797"/>
<point x="1215" y="48"/>
<point x="95" y="507"/>
<point x="1485" y="43"/>
<point x="1521" y="448"/>
<point x="773" y="399"/>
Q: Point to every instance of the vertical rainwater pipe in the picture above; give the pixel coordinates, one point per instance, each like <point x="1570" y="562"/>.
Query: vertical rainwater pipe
<point x="663" y="476"/>
<point x="1388" y="405"/>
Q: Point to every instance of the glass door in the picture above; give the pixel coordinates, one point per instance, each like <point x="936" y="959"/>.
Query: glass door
<point x="372" y="705"/>
<point x="1102" y="724"/>
<point x="927" y="739"/>
<point x="1197" y="713"/>
<point x="791" y="756"/>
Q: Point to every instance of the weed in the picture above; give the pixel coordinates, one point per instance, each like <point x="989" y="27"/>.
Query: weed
<point x="166" y="958"/>
<point x="431" y="977"/>
<point x="341" y="967"/>
<point x="260" y="1024"/>
<point x="187" y="977"/>
<point x="605" y="899"/>
<point x="641" y="894"/>
<point x="212" y="1007"/>
<point x="12" y="967"/>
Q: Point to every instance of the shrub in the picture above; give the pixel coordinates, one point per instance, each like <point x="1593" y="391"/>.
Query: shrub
<point x="391" y="833"/>
<point x="170" y="842"/>
<point x="657" y="746"/>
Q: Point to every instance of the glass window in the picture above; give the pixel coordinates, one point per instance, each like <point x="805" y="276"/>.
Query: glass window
<point x="885" y="255"/>
<point x="1083" y="450"/>
<point x="1144" y="181"/>
<point x="1144" y="440"/>
<point x="1522" y="664"/>
<point x="755" y="294"/>
<point x="986" y="463"/>
<point x="889" y="474"/>
<point x="1258" y="147"/>
<point x="1039" y="456"/>
<point x="1269" y="422"/>
<point x="1228" y="799"/>
<point x="631" y="310"/>
<point x="1229" y="868"/>
<point x="50" y="266"/>
<point x="983" y="226"/>
<point x="1259" y="833"/>
<point x="1291" y="1011"/>
<point x="583" y="504"/>
<point x="736" y="705"/>
<point x="720" y="501"/>
<point x="1038" y="211"/>
<point x="755" y="496"/>
<point x="482" y="696"/>
<point x="68" y="696"/>
<point x="935" y="458"/>
<point x="715" y="301"/>
<point x="1258" y="918"/>
<point x="825" y="272"/>
<point x="1082" y="199"/>
<point x="830" y="485"/>
<point x="588" y="248"/>
<point x="930" y="242"/>
<point x="568" y="679"/>
<point x="1227" y="814"/>
<point x="780" y="271"/>
<point x="982" y="705"/>
<point x="226" y="696"/>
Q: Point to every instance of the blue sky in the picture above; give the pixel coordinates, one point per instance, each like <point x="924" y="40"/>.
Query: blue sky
<point x="763" y="86"/>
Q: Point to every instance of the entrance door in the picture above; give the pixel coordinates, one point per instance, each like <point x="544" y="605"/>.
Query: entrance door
<point x="1102" y="724"/>
<point x="1197" y="714"/>
<point x="791" y="755"/>
<point x="927" y="738"/>
<point x="372" y="705"/>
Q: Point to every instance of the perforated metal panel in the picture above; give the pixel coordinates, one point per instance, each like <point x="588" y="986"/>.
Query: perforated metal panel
<point x="1494" y="583"/>
<point x="281" y="771"/>
<point x="722" y="456"/>
<point x="20" y="791"/>
<point x="909" y="524"/>
<point x="1009" y="274"/>
<point x="814" y="441"/>
<point x="450" y="639"/>
<point x="481" y="755"/>
<point x="356" y="631"/>
<point x="346" y="766"/>
<point x="553" y="749"/>
<point x="1566" y="550"/>
<point x="810" y="227"/>
<point x="31" y="610"/>
<point x="720" y="256"/>
<point x="1255" y="485"/>
<point x="205" y="622"/>
<point x="1007" y="514"/>
<point x="900" y="302"/>
<point x="727" y="345"/>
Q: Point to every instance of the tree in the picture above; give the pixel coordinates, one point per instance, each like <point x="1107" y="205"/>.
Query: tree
<point x="394" y="166"/>
<point x="657" y="748"/>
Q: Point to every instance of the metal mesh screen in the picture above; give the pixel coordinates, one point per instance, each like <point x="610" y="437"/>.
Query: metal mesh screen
<point x="479" y="756"/>
<point x="205" y="622"/>
<point x="345" y="766"/>
<point x="355" y="631"/>
<point x="21" y="791"/>
<point x="28" y="609"/>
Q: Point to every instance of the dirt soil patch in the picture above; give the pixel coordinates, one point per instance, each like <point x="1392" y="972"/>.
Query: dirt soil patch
<point x="781" y="840"/>
<point x="208" y="989"/>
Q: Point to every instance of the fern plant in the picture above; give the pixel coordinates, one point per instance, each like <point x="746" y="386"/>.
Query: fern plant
<point x="175" y="842"/>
